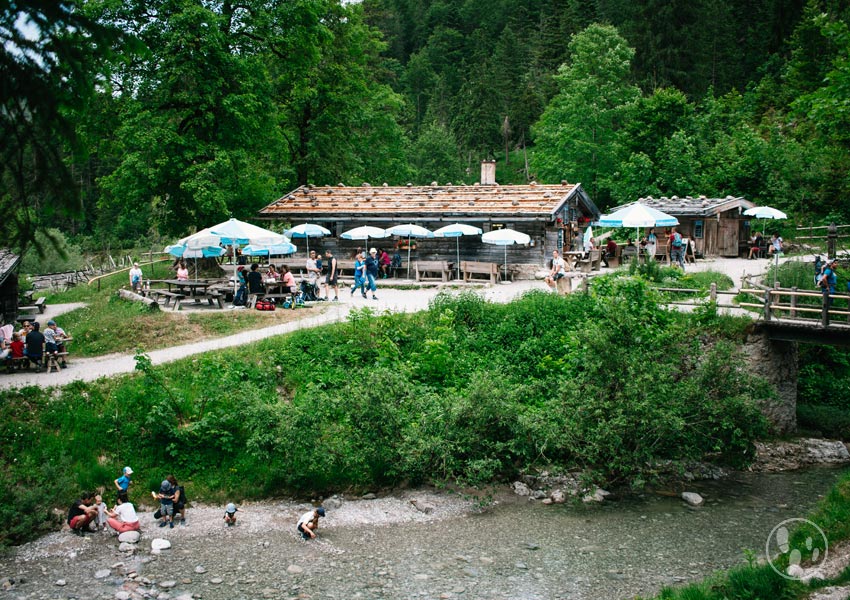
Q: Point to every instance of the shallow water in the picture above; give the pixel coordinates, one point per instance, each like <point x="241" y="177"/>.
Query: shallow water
<point x="516" y="549"/>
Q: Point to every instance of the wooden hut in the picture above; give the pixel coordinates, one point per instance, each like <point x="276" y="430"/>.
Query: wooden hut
<point x="550" y="214"/>
<point x="717" y="225"/>
<point x="8" y="285"/>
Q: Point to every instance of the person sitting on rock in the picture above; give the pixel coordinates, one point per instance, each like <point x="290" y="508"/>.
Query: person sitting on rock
<point x="309" y="523"/>
<point x="81" y="513"/>
<point x="123" y="517"/>
<point x="230" y="514"/>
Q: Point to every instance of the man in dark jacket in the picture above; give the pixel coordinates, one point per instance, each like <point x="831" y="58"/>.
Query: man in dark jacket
<point x="35" y="346"/>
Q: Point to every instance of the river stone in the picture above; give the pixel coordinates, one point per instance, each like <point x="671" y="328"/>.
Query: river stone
<point x="101" y="574"/>
<point x="167" y="584"/>
<point x="126" y="547"/>
<point x="826" y="451"/>
<point x="369" y="496"/>
<point x="520" y="489"/>
<point x="546" y="501"/>
<point x="294" y="570"/>
<point x="216" y="580"/>
<point x="598" y="495"/>
<point x="61" y="582"/>
<point x="164" y="596"/>
<point x="692" y="498"/>
<point x="200" y="570"/>
<point x="184" y="597"/>
<point x="160" y="544"/>
<point x="122" y="595"/>
<point x="421" y="576"/>
<point x="423" y="507"/>
<point x="131" y="537"/>
<point x="558" y="496"/>
<point x="538" y="494"/>
<point x="332" y="503"/>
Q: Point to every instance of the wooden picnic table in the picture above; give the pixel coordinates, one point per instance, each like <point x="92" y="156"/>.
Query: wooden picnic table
<point x="192" y="289"/>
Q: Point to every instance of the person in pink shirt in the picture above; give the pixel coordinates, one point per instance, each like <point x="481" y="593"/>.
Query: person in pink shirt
<point x="288" y="279"/>
<point x="182" y="272"/>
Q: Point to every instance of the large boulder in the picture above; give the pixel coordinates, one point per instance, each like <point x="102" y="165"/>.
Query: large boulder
<point x="160" y="544"/>
<point x="131" y="537"/>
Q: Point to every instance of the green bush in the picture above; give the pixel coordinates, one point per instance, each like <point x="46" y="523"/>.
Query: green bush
<point x="828" y="421"/>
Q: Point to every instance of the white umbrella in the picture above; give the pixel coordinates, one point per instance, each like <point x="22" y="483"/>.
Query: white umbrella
<point x="638" y="215"/>
<point x="505" y="237"/>
<point x="765" y="212"/>
<point x="364" y="233"/>
<point x="410" y="230"/>
<point x="456" y="230"/>
<point x="308" y="230"/>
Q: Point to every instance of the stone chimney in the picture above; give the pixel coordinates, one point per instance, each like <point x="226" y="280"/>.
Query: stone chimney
<point x="488" y="172"/>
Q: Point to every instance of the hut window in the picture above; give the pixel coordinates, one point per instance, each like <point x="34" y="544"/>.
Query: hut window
<point x="698" y="229"/>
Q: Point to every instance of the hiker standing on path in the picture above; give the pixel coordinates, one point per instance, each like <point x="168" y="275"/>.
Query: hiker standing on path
<point x="309" y="523"/>
<point x="332" y="279"/>
<point x="677" y="254"/>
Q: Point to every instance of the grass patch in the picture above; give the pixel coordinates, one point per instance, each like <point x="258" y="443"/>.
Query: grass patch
<point x="109" y="324"/>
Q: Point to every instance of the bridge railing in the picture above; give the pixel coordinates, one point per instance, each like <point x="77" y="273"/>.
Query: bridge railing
<point x="775" y="306"/>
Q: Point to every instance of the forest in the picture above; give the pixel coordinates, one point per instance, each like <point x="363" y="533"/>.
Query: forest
<point x="125" y="120"/>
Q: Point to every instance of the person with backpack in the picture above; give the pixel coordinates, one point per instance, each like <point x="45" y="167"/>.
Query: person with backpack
<point x="828" y="280"/>
<point x="677" y="254"/>
<point x="179" y="499"/>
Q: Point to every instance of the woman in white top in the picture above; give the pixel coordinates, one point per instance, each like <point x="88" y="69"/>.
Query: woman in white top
<point x="123" y="517"/>
<point x="651" y="243"/>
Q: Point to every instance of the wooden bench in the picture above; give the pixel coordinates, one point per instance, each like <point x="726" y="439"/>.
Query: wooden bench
<point x="469" y="268"/>
<point x="432" y="270"/>
<point x="169" y="297"/>
<point x="17" y="362"/>
<point x="38" y="306"/>
<point x="593" y="262"/>
<point x="52" y="360"/>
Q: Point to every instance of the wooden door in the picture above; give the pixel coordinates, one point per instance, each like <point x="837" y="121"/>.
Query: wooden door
<point x="727" y="238"/>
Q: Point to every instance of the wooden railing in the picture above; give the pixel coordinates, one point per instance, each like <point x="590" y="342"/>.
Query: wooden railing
<point x="773" y="307"/>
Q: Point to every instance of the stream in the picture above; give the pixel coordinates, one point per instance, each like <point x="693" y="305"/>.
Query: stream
<point x="385" y="548"/>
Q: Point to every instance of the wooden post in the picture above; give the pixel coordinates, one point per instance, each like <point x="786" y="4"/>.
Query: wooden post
<point x="824" y="314"/>
<point x="793" y="312"/>
<point x="712" y="295"/>
<point x="767" y="305"/>
<point x="831" y="236"/>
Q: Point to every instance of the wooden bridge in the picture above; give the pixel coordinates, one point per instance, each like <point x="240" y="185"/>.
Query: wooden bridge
<point x="784" y="317"/>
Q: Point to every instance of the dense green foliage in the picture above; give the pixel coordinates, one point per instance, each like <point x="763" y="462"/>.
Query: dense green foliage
<point x="467" y="392"/>
<point x="131" y="120"/>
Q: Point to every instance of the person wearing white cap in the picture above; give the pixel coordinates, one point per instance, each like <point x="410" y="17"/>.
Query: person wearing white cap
<point x="123" y="482"/>
<point x="230" y="514"/>
<point x="373" y="266"/>
<point x="136" y="278"/>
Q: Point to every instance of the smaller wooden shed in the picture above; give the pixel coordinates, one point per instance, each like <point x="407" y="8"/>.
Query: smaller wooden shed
<point x="717" y="225"/>
<point x="8" y="285"/>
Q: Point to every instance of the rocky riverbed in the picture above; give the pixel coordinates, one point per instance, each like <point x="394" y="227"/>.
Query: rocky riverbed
<point x="425" y="544"/>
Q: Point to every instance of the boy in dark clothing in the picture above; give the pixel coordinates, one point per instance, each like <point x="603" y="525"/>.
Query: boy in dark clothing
<point x="255" y="280"/>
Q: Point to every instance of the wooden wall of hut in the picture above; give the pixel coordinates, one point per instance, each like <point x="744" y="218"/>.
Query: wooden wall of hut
<point x="9" y="299"/>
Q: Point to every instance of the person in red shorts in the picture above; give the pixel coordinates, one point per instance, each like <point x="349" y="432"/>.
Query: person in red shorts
<point x="81" y="513"/>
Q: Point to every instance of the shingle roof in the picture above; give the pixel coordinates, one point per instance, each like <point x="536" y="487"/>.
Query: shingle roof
<point x="689" y="206"/>
<point x="377" y="203"/>
<point x="8" y="263"/>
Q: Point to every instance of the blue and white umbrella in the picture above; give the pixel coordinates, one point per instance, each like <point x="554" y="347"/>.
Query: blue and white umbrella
<point x="411" y="230"/>
<point x="234" y="231"/>
<point x="765" y="212"/>
<point x="456" y="230"/>
<point x="272" y="250"/>
<point x="307" y="230"/>
<point x="505" y="237"/>
<point x="638" y="215"/>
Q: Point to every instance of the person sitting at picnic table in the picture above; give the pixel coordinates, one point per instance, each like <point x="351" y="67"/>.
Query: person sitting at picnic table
<point x="53" y="337"/>
<point x="255" y="280"/>
<point x="288" y="280"/>
<point x="6" y="333"/>
<point x="272" y="273"/>
<point x="182" y="272"/>
<point x="755" y="245"/>
<point x="386" y="261"/>
<point x="35" y="346"/>
<point x="775" y="244"/>
<point x="16" y="349"/>
<point x="610" y="251"/>
<point x="241" y="296"/>
<point x="136" y="278"/>
<point x="26" y="327"/>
